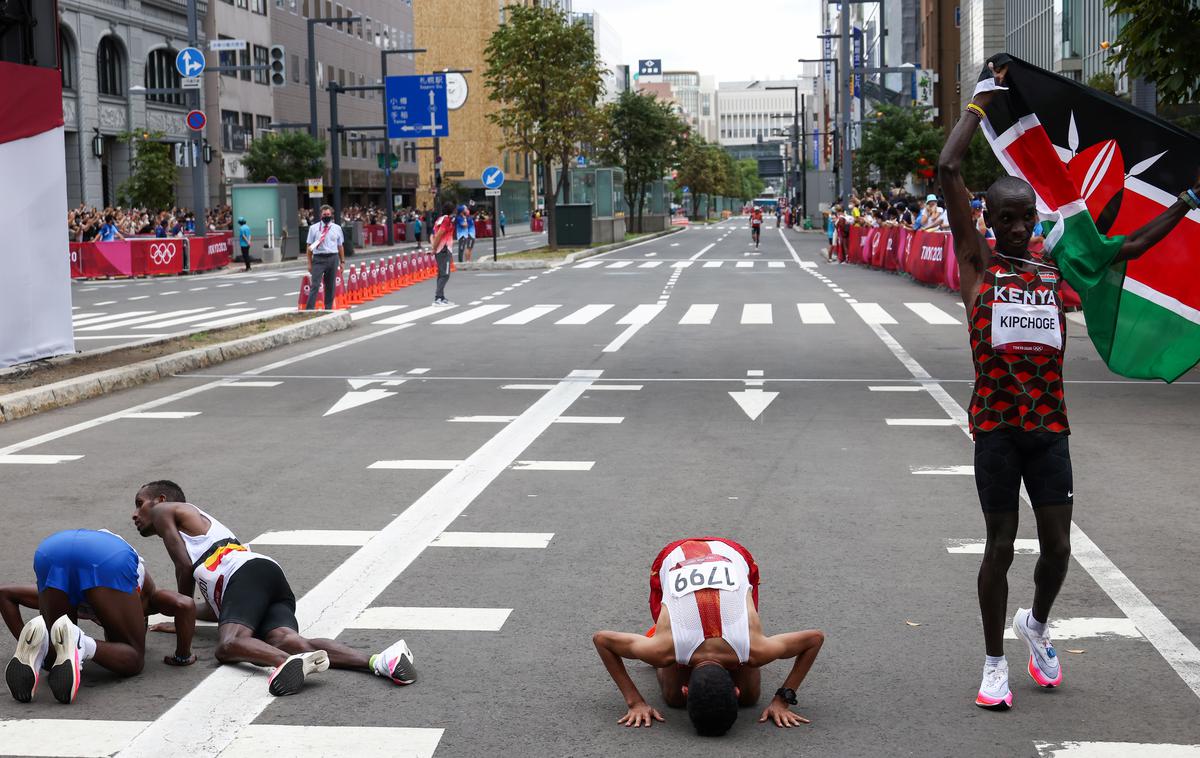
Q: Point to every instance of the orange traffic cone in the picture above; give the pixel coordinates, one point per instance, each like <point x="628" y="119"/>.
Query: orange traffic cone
<point x="302" y="300"/>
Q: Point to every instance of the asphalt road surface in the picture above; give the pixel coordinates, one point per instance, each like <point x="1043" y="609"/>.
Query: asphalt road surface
<point x="490" y="482"/>
<point x="109" y="313"/>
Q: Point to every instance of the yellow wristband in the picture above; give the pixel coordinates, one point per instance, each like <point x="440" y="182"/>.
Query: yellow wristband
<point x="973" y="108"/>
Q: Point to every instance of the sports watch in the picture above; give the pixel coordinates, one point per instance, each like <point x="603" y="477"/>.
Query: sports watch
<point x="786" y="694"/>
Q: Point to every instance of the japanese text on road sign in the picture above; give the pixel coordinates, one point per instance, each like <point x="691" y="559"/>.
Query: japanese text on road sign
<point x="416" y="106"/>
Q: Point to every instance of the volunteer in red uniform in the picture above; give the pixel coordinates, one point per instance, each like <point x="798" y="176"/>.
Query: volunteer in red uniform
<point x="443" y="235"/>
<point x="1018" y="414"/>
<point x="756" y="220"/>
<point x="249" y="597"/>
<point x="707" y="642"/>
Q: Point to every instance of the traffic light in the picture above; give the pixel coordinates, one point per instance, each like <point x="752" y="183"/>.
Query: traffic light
<point x="277" y="68"/>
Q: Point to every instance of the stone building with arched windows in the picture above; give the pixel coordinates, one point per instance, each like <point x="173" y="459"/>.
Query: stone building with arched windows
<point x="109" y="47"/>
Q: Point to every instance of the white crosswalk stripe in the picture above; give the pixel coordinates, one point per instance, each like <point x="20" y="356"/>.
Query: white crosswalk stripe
<point x="584" y="315"/>
<point x="110" y="317"/>
<point x="467" y="316"/>
<point x="814" y="313"/>
<point x="194" y="318"/>
<point x="873" y="313"/>
<point x="651" y="264"/>
<point x="529" y="314"/>
<point x="713" y="264"/>
<point x="756" y="313"/>
<point x="932" y="314"/>
<point x="141" y="320"/>
<point x="699" y="314"/>
<point x="269" y="313"/>
<point x="619" y="264"/>
<point x="590" y="264"/>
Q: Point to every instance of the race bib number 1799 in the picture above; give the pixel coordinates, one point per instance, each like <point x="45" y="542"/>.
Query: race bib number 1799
<point x="702" y="575"/>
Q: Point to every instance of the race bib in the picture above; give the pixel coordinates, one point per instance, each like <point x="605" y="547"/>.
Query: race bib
<point x="1025" y="329"/>
<point x="712" y="572"/>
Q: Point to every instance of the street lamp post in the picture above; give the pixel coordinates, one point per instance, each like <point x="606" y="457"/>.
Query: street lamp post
<point x="312" y="65"/>
<point x="796" y="139"/>
<point x="387" y="168"/>
<point x="837" y="163"/>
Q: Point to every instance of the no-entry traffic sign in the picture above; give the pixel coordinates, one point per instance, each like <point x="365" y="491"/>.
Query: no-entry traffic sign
<point x="195" y="120"/>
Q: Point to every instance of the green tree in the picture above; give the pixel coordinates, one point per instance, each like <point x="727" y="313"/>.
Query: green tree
<point x="292" y="157"/>
<point x="895" y="142"/>
<point x="1158" y="43"/>
<point x="543" y="71"/>
<point x="702" y="169"/>
<point x="1103" y="81"/>
<point x="151" y="182"/>
<point x="640" y="136"/>
<point x="750" y="184"/>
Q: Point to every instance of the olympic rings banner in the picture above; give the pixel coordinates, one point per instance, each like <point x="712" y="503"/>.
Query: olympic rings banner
<point x="150" y="256"/>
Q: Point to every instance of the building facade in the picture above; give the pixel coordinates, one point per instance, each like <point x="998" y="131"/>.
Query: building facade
<point x="940" y="22"/>
<point x="474" y="142"/>
<point x="608" y="50"/>
<point x="349" y="54"/>
<point x="1063" y="36"/>
<point x="980" y="37"/>
<point x="108" y="48"/>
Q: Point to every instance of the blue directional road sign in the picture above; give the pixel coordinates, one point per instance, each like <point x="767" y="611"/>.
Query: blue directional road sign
<point x="580" y="161"/>
<point x="189" y="62"/>
<point x="492" y="177"/>
<point x="416" y="106"/>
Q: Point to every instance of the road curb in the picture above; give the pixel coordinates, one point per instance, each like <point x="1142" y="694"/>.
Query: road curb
<point x="70" y="391"/>
<point x="502" y="265"/>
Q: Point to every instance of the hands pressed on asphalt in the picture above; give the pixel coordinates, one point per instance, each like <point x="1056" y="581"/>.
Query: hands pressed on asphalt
<point x="781" y="715"/>
<point x="164" y="627"/>
<point x="641" y="715"/>
<point x="171" y="660"/>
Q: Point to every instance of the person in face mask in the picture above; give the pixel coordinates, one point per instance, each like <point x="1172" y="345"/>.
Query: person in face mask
<point x="326" y="254"/>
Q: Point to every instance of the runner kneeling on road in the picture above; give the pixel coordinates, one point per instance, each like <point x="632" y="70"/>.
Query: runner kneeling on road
<point x="1018" y="414"/>
<point x="756" y="221"/>
<point x="707" y="642"/>
<point x="249" y="597"/>
<point x="95" y="575"/>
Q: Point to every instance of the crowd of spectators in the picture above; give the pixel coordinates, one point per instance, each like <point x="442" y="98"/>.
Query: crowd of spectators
<point x="88" y="224"/>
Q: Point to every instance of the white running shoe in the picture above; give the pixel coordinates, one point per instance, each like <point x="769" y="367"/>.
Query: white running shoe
<point x="65" y="674"/>
<point x="994" y="693"/>
<point x="1044" y="665"/>
<point x="25" y="667"/>
<point x="288" y="678"/>
<point x="398" y="662"/>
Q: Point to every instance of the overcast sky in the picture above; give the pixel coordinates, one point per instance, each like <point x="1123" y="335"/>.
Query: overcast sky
<point x="754" y="39"/>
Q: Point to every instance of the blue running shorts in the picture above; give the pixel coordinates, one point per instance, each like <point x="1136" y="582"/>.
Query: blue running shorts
<point x="77" y="560"/>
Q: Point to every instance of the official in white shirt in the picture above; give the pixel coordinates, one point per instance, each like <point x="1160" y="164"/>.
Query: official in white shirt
<point x="326" y="255"/>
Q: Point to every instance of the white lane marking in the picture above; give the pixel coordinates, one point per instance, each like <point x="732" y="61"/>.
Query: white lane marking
<point x="629" y="387"/>
<point x="619" y="264"/>
<point x="814" y="313"/>
<point x="681" y="264"/>
<point x="230" y="284"/>
<point x="1114" y="750"/>
<point x="895" y="388"/>
<point x="702" y="313"/>
<point x="481" y="419"/>
<point x="104" y="302"/>
<point x="651" y="264"/>
<point x="335" y="741"/>
<point x="419" y="371"/>
<point x="145" y="336"/>
<point x="378" y="310"/>
<point x="753" y="401"/>
<point x="252" y="384"/>
<point x="86" y="738"/>
<point x="585" y="314"/>
<point x="112" y="317"/>
<point x="635" y="319"/>
<point x="142" y="319"/>
<point x="754" y="372"/>
<point x="920" y="421"/>
<point x="193" y="318"/>
<point x="170" y="292"/>
<point x="417" y="464"/>
<point x="553" y="465"/>
<point x="327" y="537"/>
<point x="1087" y="628"/>
<point x="206" y="720"/>
<point x="355" y="398"/>
<point x="513" y="540"/>
<point x="140" y="297"/>
<point x="943" y="470"/>
<point x="757" y="313"/>
<point x="1076" y="317"/>
<point x="776" y="264"/>
<point x="467" y="316"/>
<point x="38" y="460"/>
<point x="674" y="244"/>
<point x="873" y="313"/>
<point x="1021" y="546"/>
<point x="432" y="619"/>
<point x="80" y="316"/>
<point x="419" y="313"/>
<point x="589" y="420"/>
<point x="197" y="289"/>
<point x="744" y="264"/>
<point x="1180" y="653"/>
<point x="264" y="299"/>
<point x="702" y="252"/>
<point x="165" y="415"/>
<point x="651" y="255"/>
<point x="528" y="387"/>
<point x="714" y="264"/>
<point x="792" y="252"/>
<point x="238" y="302"/>
<point x="527" y="315"/>
<point x="590" y="264"/>
<point x="932" y="314"/>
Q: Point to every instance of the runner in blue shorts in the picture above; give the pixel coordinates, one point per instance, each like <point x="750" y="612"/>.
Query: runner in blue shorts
<point x="98" y="575"/>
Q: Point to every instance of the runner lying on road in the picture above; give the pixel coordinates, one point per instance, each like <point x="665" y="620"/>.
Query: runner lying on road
<point x="707" y="643"/>
<point x="249" y="597"/>
<point x="95" y="575"/>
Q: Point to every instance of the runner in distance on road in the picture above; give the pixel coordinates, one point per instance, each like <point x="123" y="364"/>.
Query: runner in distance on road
<point x="707" y="643"/>
<point x="249" y="597"/>
<point x="94" y="575"/>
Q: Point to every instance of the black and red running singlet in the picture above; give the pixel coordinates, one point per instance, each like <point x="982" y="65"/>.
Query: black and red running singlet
<point x="1018" y="333"/>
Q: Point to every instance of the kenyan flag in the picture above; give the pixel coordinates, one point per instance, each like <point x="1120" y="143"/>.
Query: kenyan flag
<point x="1072" y="143"/>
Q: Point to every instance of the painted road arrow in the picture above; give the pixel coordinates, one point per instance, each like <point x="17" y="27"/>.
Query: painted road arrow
<point x="358" y="396"/>
<point x="753" y="401"/>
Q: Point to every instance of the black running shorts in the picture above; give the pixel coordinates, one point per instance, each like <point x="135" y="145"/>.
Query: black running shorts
<point x="1005" y="456"/>
<point x="258" y="596"/>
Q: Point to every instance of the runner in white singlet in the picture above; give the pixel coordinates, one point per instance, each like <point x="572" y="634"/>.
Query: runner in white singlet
<point x="249" y="597"/>
<point x="707" y="643"/>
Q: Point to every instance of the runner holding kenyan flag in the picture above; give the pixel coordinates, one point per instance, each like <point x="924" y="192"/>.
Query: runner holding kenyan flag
<point x="1018" y="413"/>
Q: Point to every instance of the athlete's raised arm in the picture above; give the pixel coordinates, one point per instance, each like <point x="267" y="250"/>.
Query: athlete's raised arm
<point x="656" y="651"/>
<point x="803" y="646"/>
<point x="1145" y="237"/>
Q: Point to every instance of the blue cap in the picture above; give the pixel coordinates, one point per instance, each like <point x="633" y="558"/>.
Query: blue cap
<point x="241" y="219"/>
<point x="976" y="205"/>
